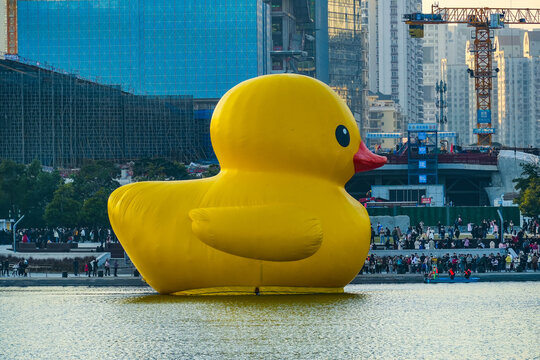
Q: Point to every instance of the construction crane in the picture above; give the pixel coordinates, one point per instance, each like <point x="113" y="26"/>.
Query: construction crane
<point x="484" y="20"/>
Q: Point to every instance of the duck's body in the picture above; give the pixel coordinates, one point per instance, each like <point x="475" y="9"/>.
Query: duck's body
<point x="172" y="258"/>
<point x="264" y="224"/>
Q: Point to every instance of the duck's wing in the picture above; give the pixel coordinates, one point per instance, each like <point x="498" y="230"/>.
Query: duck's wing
<point x="272" y="232"/>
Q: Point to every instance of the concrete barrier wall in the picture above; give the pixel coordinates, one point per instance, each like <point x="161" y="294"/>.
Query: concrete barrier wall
<point x="446" y="215"/>
<point x="439" y="252"/>
<point x="401" y="221"/>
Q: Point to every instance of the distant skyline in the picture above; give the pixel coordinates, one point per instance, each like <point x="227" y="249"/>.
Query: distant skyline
<point x="426" y="6"/>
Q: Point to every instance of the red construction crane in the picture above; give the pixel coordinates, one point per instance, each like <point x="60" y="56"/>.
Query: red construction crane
<point x="11" y="18"/>
<point x="484" y="20"/>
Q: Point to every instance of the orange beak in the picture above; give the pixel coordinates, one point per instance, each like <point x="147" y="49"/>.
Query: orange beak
<point x="365" y="160"/>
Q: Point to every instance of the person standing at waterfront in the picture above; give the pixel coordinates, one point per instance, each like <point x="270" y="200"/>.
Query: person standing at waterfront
<point x="107" y="268"/>
<point x="494" y="264"/>
<point x="508" y="261"/>
<point x="5" y="269"/>
<point x="76" y="267"/>
<point x="94" y="267"/>
<point x="115" y="268"/>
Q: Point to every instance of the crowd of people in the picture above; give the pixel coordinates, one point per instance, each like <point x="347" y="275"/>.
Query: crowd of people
<point x="91" y="268"/>
<point x="421" y="237"/>
<point x="45" y="236"/>
<point x="459" y="263"/>
<point x="18" y="269"/>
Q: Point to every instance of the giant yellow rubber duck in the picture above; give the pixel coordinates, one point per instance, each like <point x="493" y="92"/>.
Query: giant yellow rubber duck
<point x="276" y="219"/>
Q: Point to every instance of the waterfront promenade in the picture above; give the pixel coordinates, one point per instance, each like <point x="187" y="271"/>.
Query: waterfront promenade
<point x="52" y="279"/>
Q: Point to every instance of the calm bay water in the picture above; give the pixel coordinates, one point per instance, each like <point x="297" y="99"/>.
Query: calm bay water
<point x="436" y="321"/>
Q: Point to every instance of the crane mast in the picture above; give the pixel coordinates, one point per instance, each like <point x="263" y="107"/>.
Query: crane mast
<point x="484" y="20"/>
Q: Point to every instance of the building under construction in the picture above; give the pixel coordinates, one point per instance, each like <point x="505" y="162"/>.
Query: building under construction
<point x="61" y="119"/>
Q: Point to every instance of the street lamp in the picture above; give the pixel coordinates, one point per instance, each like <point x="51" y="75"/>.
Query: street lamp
<point x="15" y="230"/>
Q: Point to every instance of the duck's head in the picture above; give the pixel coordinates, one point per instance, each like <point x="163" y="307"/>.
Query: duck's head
<point x="289" y="123"/>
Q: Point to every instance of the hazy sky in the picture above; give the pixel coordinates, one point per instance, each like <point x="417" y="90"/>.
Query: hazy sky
<point x="485" y="3"/>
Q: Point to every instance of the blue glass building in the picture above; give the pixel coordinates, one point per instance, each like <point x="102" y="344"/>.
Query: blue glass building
<point x="153" y="47"/>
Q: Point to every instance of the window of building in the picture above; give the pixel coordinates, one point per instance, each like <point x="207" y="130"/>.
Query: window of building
<point x="407" y="195"/>
<point x="428" y="55"/>
<point x="429" y="93"/>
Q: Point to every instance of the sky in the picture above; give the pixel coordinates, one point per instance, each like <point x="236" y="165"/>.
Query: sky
<point x="532" y="4"/>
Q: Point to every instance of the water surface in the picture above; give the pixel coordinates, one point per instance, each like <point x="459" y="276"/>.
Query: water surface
<point x="473" y="321"/>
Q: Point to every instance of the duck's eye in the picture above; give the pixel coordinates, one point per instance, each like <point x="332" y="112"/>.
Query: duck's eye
<point x="342" y="135"/>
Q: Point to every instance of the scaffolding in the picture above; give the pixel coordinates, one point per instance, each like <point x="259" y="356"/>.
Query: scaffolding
<point x="62" y="120"/>
<point x="347" y="43"/>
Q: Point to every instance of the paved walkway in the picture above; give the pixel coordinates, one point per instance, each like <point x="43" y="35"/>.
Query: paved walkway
<point x="55" y="279"/>
<point x="418" y="278"/>
<point x="90" y="247"/>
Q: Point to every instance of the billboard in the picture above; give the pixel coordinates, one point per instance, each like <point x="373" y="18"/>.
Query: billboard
<point x="425" y="200"/>
<point x="422" y="127"/>
<point x="484" y="131"/>
<point x="483" y="116"/>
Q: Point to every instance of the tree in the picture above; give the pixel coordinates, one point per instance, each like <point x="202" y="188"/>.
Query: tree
<point x="12" y="187"/>
<point x="94" y="210"/>
<point x="26" y="189"/>
<point x="528" y="186"/>
<point x="94" y="176"/>
<point x="530" y="201"/>
<point x="159" y="169"/>
<point x="64" y="209"/>
<point x="40" y="188"/>
<point x="212" y="170"/>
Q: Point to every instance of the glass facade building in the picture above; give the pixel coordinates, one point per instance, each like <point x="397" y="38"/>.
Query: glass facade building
<point x="158" y="47"/>
<point x="348" y="66"/>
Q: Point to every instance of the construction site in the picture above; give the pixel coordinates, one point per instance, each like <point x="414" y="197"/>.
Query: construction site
<point x="62" y="119"/>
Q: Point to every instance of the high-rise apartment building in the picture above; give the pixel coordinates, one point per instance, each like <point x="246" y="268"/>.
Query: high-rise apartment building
<point x="534" y="43"/>
<point x="457" y="100"/>
<point x="454" y="74"/>
<point x="435" y="49"/>
<point x="515" y="100"/>
<point x="395" y="58"/>
<point x="535" y="83"/>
